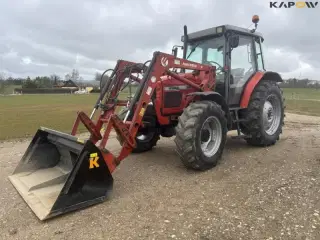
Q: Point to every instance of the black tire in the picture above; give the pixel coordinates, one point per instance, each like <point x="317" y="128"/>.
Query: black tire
<point x="152" y="134"/>
<point x="149" y="143"/>
<point x="254" y="125"/>
<point x="188" y="135"/>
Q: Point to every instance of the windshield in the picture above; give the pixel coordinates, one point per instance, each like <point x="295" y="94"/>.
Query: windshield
<point x="206" y="51"/>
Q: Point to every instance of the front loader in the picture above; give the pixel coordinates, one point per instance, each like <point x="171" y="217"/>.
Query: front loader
<point x="219" y="85"/>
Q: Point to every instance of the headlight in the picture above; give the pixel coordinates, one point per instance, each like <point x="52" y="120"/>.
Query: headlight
<point x="219" y="29"/>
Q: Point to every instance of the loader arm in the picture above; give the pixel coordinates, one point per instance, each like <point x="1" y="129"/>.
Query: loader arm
<point x="109" y="93"/>
<point x="159" y="66"/>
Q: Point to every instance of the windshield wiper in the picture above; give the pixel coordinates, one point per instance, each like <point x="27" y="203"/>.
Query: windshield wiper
<point x="194" y="48"/>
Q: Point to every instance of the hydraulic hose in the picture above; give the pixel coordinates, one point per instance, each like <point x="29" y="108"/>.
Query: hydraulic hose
<point x="141" y="86"/>
<point x="102" y="91"/>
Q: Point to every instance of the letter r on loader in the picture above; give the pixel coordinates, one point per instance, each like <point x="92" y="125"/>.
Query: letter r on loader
<point x="93" y="160"/>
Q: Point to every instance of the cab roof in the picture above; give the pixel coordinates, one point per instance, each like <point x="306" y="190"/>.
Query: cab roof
<point x="210" y="32"/>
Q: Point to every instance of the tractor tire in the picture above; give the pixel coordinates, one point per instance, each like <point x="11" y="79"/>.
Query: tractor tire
<point x="200" y="122"/>
<point x="264" y="116"/>
<point x="146" y="139"/>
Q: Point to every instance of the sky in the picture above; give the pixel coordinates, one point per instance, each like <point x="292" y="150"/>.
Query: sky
<point x="44" y="37"/>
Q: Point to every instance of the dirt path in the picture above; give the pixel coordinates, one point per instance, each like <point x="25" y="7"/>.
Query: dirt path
<point x="254" y="193"/>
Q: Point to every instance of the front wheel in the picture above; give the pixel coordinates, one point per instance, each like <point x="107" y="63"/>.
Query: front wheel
<point x="201" y="135"/>
<point x="146" y="138"/>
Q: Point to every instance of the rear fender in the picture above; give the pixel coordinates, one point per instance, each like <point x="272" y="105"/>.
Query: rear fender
<point x="252" y="83"/>
<point x="215" y="97"/>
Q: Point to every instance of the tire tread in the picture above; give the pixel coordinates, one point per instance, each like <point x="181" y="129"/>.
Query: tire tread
<point x="252" y="126"/>
<point x="186" y="131"/>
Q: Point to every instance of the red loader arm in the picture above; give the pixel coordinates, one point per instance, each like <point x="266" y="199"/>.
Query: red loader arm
<point x="127" y="130"/>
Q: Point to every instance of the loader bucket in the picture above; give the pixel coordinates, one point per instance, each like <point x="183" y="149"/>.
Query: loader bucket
<point x="58" y="174"/>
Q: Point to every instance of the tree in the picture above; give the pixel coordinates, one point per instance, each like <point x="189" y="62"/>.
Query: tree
<point x="2" y="76"/>
<point x="55" y="79"/>
<point x="43" y="82"/>
<point x="2" y="81"/>
<point x="98" y="75"/>
<point x="74" y="75"/>
<point x="29" y="84"/>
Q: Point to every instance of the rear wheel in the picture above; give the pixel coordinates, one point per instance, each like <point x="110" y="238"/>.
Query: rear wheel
<point x="201" y="135"/>
<point x="264" y="115"/>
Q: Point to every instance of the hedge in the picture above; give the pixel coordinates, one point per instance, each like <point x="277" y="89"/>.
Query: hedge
<point x="95" y="91"/>
<point x="43" y="90"/>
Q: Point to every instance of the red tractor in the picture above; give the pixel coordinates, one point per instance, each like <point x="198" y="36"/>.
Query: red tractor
<point x="201" y="106"/>
<point x="219" y="85"/>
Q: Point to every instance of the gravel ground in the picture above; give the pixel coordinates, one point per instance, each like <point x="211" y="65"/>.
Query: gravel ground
<point x="254" y="193"/>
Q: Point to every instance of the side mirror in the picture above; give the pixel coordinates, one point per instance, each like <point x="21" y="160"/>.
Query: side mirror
<point x="175" y="51"/>
<point x="234" y="41"/>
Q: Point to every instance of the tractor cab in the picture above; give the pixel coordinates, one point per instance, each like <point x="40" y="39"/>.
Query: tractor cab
<point x="236" y="52"/>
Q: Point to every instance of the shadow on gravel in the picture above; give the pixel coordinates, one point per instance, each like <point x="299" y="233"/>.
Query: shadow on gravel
<point x="163" y="157"/>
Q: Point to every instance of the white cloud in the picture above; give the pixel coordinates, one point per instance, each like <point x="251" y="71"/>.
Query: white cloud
<point x="41" y="37"/>
<point x="26" y="60"/>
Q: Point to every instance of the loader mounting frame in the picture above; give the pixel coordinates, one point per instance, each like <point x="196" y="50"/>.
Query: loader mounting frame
<point x="159" y="66"/>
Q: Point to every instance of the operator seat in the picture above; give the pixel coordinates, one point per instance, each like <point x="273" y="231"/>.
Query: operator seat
<point x="220" y="83"/>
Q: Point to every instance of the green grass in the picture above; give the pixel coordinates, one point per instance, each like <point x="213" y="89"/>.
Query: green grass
<point x="305" y="107"/>
<point x="302" y="93"/>
<point x="302" y="101"/>
<point x="21" y="116"/>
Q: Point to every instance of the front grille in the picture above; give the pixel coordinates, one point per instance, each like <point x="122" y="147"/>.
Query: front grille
<point x="172" y="99"/>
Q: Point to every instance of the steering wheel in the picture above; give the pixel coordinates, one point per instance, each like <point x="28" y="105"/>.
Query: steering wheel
<point x="219" y="66"/>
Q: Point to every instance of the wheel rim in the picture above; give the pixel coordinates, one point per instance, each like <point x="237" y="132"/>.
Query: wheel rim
<point x="271" y="114"/>
<point x="210" y="136"/>
<point x="145" y="137"/>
